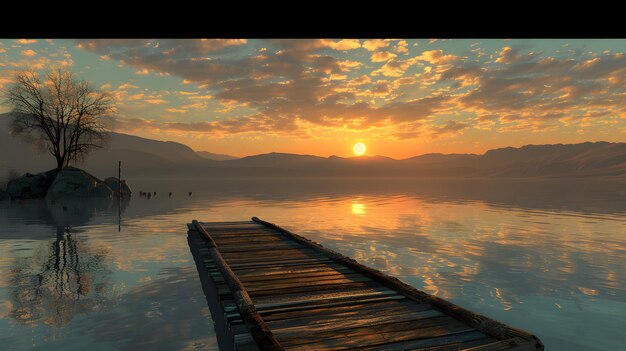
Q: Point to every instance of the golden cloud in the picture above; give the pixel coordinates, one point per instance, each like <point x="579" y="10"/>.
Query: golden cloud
<point x="28" y="53"/>
<point x="375" y="44"/>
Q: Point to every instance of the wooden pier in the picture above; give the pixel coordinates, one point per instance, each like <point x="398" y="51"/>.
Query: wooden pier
<point x="280" y="291"/>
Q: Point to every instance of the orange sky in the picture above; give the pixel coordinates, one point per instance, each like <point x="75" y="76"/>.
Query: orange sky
<point x="399" y="97"/>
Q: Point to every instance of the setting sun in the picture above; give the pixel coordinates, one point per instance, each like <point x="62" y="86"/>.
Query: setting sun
<point x="359" y="149"/>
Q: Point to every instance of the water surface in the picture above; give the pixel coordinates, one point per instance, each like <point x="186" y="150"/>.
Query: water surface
<point x="546" y="256"/>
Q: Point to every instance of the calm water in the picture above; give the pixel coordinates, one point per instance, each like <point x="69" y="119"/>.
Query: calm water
<point x="545" y="256"/>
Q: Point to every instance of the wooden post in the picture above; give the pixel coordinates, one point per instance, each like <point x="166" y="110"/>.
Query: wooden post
<point x="119" y="179"/>
<point x="119" y="196"/>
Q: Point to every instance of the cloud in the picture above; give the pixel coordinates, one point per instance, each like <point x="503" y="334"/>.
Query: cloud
<point x="155" y="101"/>
<point x="127" y="86"/>
<point x="394" y="68"/>
<point x="383" y="56"/>
<point x="436" y="57"/>
<point x="402" y="47"/>
<point x="375" y="44"/>
<point x="175" y="110"/>
<point x="295" y="85"/>
<point x="345" y="44"/>
<point x="26" y="41"/>
<point x="28" y="53"/>
<point x="510" y="55"/>
<point x="364" y="79"/>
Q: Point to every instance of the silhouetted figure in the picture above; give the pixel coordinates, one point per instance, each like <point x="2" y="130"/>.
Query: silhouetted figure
<point x="154" y="194"/>
<point x="170" y="194"/>
<point x="149" y="195"/>
<point x="190" y="193"/>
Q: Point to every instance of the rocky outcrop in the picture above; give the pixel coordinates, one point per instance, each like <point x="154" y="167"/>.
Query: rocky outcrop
<point x="112" y="182"/>
<point x="69" y="183"/>
<point x="76" y="183"/>
<point x="31" y="186"/>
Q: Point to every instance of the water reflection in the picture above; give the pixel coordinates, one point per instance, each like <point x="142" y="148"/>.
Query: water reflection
<point x="62" y="279"/>
<point x="547" y="256"/>
<point x="358" y="209"/>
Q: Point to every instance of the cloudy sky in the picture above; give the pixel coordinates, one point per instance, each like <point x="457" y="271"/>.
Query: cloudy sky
<point x="399" y="97"/>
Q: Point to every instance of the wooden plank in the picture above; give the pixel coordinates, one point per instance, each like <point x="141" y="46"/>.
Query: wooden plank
<point x="219" y="233"/>
<point x="458" y="341"/>
<point x="324" y="275"/>
<point x="341" y="339"/>
<point x="312" y="274"/>
<point x="325" y="325"/>
<point x="515" y="344"/>
<point x="273" y="258"/>
<point x="330" y="304"/>
<point x="281" y="263"/>
<point x="258" y="247"/>
<point x="269" y="254"/>
<point x="319" y="299"/>
<point x="303" y="282"/>
<point x="293" y="268"/>
<point x="358" y="310"/>
<point x="335" y="288"/>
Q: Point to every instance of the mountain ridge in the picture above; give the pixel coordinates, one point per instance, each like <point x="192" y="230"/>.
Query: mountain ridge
<point x="142" y="157"/>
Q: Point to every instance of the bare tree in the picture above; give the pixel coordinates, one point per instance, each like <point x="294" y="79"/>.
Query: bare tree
<point x="65" y="115"/>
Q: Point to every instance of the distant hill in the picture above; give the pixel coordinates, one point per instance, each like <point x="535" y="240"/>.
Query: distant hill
<point x="140" y="156"/>
<point x="215" y="157"/>
<point x="143" y="157"/>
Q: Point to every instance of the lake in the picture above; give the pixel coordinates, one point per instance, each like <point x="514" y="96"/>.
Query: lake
<point x="547" y="256"/>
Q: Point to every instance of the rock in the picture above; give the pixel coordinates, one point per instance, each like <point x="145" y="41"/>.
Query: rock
<point x="4" y="195"/>
<point x="31" y="186"/>
<point x="112" y="183"/>
<point x="75" y="183"/>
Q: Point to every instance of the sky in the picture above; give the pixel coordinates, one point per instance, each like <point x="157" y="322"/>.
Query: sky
<point x="399" y="97"/>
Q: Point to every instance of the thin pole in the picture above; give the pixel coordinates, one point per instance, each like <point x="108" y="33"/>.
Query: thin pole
<point x="119" y="196"/>
<point x="119" y="179"/>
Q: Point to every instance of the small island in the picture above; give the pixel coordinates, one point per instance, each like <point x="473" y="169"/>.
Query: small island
<point x="69" y="182"/>
<point x="68" y="118"/>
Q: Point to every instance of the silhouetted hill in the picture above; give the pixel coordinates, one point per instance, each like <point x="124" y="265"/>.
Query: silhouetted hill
<point x="215" y="157"/>
<point x="143" y="157"/>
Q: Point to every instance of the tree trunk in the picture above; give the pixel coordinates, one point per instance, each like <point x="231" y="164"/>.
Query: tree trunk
<point x="60" y="161"/>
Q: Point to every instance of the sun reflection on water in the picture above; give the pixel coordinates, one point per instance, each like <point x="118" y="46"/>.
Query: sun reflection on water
<point x="358" y="209"/>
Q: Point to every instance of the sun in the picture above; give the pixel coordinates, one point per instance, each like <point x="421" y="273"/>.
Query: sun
<point x="359" y="149"/>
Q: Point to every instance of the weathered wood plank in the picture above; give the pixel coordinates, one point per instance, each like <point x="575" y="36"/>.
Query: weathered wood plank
<point x="327" y="325"/>
<point x="320" y="299"/>
<point x="515" y="344"/>
<point x="356" y="311"/>
<point x="295" y="274"/>
<point x="340" y="339"/>
<point x="281" y="263"/>
<point x="458" y="341"/>
<point x="305" y="282"/>
<point x="330" y="304"/>
<point x="335" y="288"/>
<point x="293" y="268"/>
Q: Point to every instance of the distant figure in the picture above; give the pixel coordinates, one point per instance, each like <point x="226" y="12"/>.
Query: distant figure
<point x="190" y="193"/>
<point x="149" y="195"/>
<point x="170" y="194"/>
<point x="154" y="193"/>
